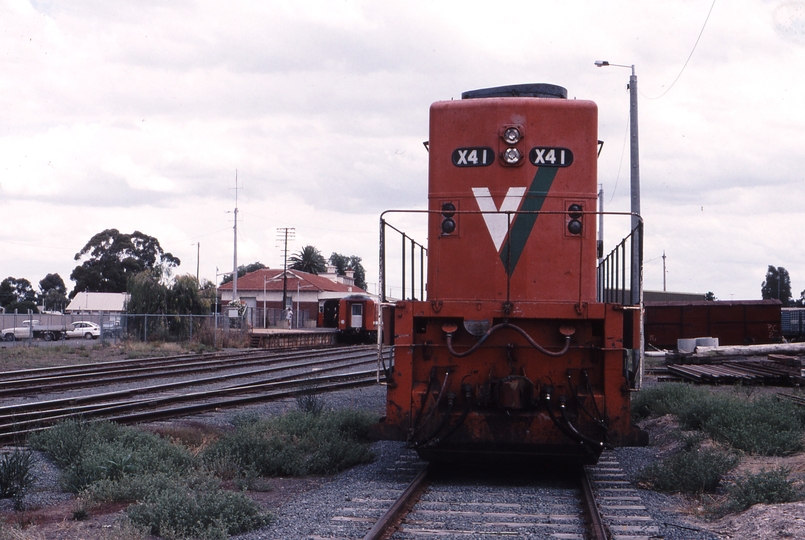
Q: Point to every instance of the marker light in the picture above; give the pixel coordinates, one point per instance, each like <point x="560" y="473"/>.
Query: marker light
<point x="512" y="156"/>
<point x="512" y="135"/>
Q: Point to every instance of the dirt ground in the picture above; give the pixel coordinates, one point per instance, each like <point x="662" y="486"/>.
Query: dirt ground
<point x="758" y="522"/>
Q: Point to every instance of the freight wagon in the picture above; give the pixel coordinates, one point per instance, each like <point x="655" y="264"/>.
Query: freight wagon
<point x="741" y="322"/>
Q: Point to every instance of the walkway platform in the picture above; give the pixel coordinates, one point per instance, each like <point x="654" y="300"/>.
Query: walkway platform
<point x="274" y="338"/>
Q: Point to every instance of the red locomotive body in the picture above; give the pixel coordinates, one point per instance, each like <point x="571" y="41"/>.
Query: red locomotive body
<point x="511" y="353"/>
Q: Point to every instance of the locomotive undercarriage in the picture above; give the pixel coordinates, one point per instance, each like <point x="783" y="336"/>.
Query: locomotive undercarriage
<point x="543" y="380"/>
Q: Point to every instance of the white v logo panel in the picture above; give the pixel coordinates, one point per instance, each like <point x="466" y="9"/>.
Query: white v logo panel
<point x="497" y="223"/>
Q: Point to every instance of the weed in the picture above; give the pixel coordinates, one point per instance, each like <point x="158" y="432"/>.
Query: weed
<point x="16" y="475"/>
<point x="765" y="425"/>
<point x="310" y="403"/>
<point x="183" y="510"/>
<point x="195" y="436"/>
<point x="90" y="452"/>
<point x="664" y="399"/>
<point x="698" y="470"/>
<point x="297" y="444"/>
<point x="250" y="480"/>
<point x="765" y="487"/>
<point x="20" y="532"/>
<point x="137" y="487"/>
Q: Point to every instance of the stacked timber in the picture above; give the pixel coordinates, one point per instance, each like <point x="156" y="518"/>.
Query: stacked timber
<point x="771" y="369"/>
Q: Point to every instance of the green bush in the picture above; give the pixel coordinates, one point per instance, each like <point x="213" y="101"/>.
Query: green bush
<point x="696" y="470"/>
<point x="765" y="487"/>
<point x="766" y="425"/>
<point x="296" y="444"/>
<point x="91" y="452"/>
<point x="129" y="488"/>
<point x="66" y="441"/>
<point x="664" y="399"/>
<point x="16" y="475"/>
<point x="198" y="509"/>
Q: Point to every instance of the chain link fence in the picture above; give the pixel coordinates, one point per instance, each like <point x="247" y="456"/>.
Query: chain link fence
<point x="215" y="330"/>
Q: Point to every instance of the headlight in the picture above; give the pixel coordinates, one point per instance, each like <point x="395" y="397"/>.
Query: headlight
<point x="512" y="135"/>
<point x="512" y="156"/>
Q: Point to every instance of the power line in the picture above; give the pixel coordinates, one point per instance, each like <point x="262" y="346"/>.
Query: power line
<point x="689" y="56"/>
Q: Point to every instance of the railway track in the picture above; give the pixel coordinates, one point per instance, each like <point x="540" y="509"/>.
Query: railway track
<point x="118" y="391"/>
<point x="508" y="504"/>
<point x="411" y="499"/>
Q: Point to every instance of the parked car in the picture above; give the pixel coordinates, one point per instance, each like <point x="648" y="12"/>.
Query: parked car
<point x="112" y="329"/>
<point x="83" y="329"/>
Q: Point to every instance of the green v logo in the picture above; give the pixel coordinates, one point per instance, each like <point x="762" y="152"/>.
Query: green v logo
<point x="523" y="223"/>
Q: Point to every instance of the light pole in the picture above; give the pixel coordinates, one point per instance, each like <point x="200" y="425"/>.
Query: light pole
<point x="635" y="178"/>
<point x="198" y="257"/>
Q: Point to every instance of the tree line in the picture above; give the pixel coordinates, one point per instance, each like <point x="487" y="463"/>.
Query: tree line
<point x="777" y="286"/>
<point x="135" y="263"/>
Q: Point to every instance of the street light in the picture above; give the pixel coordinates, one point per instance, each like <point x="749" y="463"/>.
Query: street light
<point x="635" y="177"/>
<point x="637" y="237"/>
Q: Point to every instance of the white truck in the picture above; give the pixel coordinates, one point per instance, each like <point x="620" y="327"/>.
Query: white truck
<point x="33" y="329"/>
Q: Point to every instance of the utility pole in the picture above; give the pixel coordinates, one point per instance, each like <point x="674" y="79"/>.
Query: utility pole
<point x="663" y="270"/>
<point x="283" y="235"/>
<point x="235" y="256"/>
<point x="634" y="155"/>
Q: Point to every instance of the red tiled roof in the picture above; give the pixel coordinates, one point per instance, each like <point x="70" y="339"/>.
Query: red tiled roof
<point x="253" y="281"/>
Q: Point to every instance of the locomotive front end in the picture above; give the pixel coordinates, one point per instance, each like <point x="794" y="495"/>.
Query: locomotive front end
<point x="511" y="354"/>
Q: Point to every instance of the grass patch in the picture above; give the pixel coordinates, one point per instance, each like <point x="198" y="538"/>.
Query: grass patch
<point x="692" y="470"/>
<point x="765" y="487"/>
<point x="764" y="425"/>
<point x="295" y="444"/>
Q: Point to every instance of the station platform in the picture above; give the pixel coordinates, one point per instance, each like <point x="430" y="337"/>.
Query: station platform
<point x="275" y="338"/>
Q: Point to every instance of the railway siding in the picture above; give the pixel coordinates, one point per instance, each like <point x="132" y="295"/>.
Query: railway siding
<point x="621" y="507"/>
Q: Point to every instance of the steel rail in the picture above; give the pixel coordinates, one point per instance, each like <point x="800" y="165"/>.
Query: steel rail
<point x="33" y="372"/>
<point x="94" y="370"/>
<point x="43" y="386"/>
<point x="598" y="529"/>
<point x="22" y="414"/>
<point x="116" y="411"/>
<point x="392" y="516"/>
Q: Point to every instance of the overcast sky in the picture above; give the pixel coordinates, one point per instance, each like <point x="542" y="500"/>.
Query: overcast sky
<point x="136" y="115"/>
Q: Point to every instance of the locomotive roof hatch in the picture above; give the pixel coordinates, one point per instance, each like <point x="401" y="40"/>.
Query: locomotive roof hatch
<point x="538" y="90"/>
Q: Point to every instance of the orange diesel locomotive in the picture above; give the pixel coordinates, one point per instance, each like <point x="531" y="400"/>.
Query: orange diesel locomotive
<point x="512" y="353"/>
